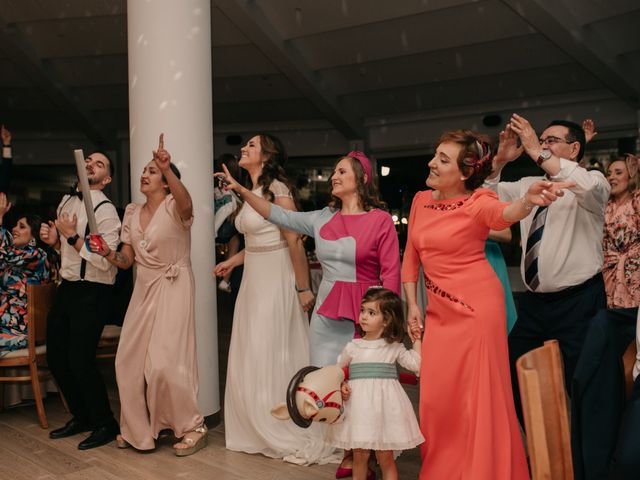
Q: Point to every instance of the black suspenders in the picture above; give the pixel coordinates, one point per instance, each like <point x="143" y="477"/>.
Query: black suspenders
<point x="83" y="263"/>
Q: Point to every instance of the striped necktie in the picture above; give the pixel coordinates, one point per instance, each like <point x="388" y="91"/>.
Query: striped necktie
<point x="532" y="249"/>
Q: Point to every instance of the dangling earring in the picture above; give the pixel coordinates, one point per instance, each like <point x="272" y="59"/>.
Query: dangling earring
<point x="32" y="242"/>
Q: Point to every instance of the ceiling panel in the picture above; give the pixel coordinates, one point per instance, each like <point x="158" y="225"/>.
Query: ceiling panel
<point x="296" y="18"/>
<point x="33" y="10"/>
<point x="240" y="60"/>
<point x="12" y="76"/>
<point x="252" y="112"/>
<point x="621" y="34"/>
<point x="95" y="70"/>
<point x="77" y="36"/>
<point x="525" y="52"/>
<point x="223" y="31"/>
<point x="103" y="97"/>
<point x="480" y="21"/>
<point x="586" y="12"/>
<point x="264" y="87"/>
<point x="518" y="86"/>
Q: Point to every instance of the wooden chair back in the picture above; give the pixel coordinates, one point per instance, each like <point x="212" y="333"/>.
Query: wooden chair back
<point x="546" y="412"/>
<point x="39" y="300"/>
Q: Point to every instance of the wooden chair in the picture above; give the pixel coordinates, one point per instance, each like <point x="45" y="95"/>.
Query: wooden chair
<point x="39" y="301"/>
<point x="108" y="344"/>
<point x="629" y="360"/>
<point x="546" y="412"/>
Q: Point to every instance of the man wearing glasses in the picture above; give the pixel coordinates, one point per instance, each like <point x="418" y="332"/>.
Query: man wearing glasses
<point x="561" y="244"/>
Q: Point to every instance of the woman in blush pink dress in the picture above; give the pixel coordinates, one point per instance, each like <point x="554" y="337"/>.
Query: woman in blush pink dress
<point x="156" y="365"/>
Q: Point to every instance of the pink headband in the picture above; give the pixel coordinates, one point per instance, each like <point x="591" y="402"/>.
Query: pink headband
<point x="364" y="161"/>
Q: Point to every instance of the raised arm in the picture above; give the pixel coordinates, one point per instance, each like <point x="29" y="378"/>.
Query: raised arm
<point x="259" y="204"/>
<point x="177" y="188"/>
<point x="540" y="193"/>
<point x="590" y="187"/>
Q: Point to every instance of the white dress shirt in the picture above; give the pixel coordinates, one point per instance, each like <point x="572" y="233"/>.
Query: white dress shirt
<point x="98" y="269"/>
<point x="571" y="245"/>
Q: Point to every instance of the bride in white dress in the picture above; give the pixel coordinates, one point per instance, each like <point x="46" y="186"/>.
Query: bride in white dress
<point x="269" y="339"/>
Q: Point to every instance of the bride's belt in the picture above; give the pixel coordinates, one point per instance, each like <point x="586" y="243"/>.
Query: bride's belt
<point x="267" y="248"/>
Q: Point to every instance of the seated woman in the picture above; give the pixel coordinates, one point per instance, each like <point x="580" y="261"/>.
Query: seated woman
<point x="22" y="262"/>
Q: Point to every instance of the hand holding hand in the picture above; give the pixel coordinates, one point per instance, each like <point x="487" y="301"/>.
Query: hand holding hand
<point x="414" y="322"/>
<point x="543" y="193"/>
<point x="307" y="299"/>
<point x="6" y="135"/>
<point x="66" y="225"/>
<point x="345" y="391"/>
<point x="5" y="205"/>
<point x="589" y="129"/>
<point x="49" y="233"/>
<point x="527" y="134"/>
<point x="161" y="156"/>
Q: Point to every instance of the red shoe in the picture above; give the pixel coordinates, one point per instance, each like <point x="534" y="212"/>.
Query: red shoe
<point x="344" y="472"/>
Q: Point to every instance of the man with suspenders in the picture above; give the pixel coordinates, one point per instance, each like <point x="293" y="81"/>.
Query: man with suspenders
<point x="81" y="308"/>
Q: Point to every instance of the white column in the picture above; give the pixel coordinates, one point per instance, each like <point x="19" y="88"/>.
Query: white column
<point x="170" y="92"/>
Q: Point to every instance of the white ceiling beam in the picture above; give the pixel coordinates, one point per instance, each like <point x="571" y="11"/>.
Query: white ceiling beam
<point x="249" y="18"/>
<point x="19" y="51"/>
<point x="553" y="20"/>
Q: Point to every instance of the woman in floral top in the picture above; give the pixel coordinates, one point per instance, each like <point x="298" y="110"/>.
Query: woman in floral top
<point x="621" y="243"/>
<point x="21" y="263"/>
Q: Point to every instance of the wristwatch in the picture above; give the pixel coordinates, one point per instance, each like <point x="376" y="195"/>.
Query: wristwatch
<point x="72" y="240"/>
<point x="545" y="154"/>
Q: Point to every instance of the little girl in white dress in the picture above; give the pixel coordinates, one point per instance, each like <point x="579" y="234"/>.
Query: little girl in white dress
<point x="378" y="414"/>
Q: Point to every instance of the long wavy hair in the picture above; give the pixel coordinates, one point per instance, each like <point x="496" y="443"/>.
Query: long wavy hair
<point x="368" y="195"/>
<point x="275" y="157"/>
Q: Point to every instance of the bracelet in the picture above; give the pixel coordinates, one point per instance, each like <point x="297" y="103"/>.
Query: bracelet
<point x="300" y="290"/>
<point x="525" y="203"/>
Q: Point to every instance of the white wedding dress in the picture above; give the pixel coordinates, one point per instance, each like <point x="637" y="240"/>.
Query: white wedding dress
<point x="269" y="344"/>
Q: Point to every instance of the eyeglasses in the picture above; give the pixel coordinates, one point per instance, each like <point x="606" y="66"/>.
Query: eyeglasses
<point x="551" y="140"/>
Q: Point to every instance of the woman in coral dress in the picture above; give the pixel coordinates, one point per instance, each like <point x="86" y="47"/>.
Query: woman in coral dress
<point x="156" y="364"/>
<point x="467" y="414"/>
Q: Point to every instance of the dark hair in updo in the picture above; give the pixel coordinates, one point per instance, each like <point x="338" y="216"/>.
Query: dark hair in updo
<point x="476" y="157"/>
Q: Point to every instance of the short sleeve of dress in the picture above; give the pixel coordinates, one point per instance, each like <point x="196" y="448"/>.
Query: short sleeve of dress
<point x="485" y="207"/>
<point x="125" y="233"/>
<point x="279" y="189"/>
<point x="346" y="356"/>
<point x="172" y="209"/>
